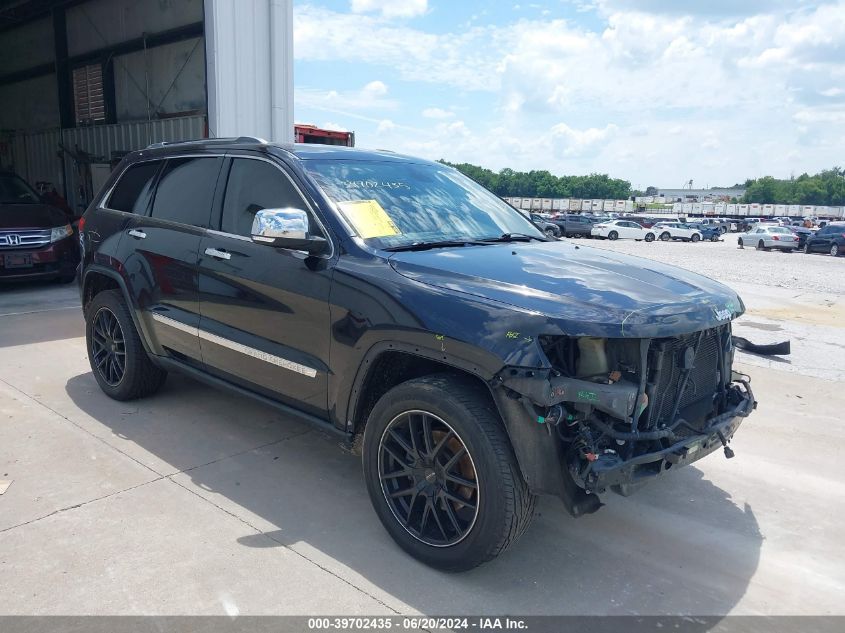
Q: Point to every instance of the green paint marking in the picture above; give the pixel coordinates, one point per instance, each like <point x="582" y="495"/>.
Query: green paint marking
<point x="592" y="396"/>
<point x="439" y="337"/>
<point x="512" y="334"/>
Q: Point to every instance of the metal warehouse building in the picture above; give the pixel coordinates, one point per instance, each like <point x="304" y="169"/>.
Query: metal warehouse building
<point x="82" y="82"/>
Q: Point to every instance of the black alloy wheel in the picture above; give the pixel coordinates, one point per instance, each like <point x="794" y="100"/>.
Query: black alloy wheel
<point x="428" y="478"/>
<point x="120" y="365"/>
<point x="108" y="347"/>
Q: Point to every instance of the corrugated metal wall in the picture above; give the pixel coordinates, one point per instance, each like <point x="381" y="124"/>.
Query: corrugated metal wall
<point x="35" y="156"/>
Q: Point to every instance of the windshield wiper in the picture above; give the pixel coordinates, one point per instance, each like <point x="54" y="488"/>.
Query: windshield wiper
<point x="514" y="237"/>
<point x="422" y="246"/>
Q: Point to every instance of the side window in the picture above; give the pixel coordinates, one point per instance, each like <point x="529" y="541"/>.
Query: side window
<point x="186" y="190"/>
<point x="254" y="185"/>
<point x="133" y="190"/>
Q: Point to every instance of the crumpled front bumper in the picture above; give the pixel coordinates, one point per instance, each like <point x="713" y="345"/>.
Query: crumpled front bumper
<point x="718" y="431"/>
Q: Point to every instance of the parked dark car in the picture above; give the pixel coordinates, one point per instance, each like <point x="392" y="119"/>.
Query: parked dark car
<point x="802" y="234"/>
<point x="574" y="225"/>
<point x="547" y="226"/>
<point x="36" y="239"/>
<point x="708" y="231"/>
<point x="829" y="239"/>
<point x="393" y="301"/>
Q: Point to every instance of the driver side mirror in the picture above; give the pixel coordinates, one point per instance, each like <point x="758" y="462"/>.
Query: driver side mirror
<point x="286" y="228"/>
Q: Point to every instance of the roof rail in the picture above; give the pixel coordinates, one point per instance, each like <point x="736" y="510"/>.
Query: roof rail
<point x="210" y="141"/>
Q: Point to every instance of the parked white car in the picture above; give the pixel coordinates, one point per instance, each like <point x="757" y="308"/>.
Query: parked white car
<point x="622" y="229"/>
<point x="676" y="231"/>
<point x="764" y="237"/>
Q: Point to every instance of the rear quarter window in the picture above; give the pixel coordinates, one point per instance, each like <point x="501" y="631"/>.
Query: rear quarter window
<point x="133" y="191"/>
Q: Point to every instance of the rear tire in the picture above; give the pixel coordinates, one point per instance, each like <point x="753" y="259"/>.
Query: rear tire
<point x="649" y="237"/>
<point x="739" y="242"/>
<point x="613" y="235"/>
<point x="455" y="416"/>
<point x="135" y="376"/>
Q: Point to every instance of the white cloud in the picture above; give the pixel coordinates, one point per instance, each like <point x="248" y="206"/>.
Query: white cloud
<point x="657" y="79"/>
<point x="330" y="125"/>
<point x="373" y="96"/>
<point x="437" y="113"/>
<point x="391" y="8"/>
<point x="385" y="125"/>
<point x="570" y="141"/>
<point x="375" y="89"/>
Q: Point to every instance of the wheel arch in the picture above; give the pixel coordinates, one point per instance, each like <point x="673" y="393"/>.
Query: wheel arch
<point x="390" y="363"/>
<point x="97" y="279"/>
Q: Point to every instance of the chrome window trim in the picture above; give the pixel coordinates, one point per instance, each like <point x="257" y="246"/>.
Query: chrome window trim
<point x="107" y="195"/>
<point x="296" y="187"/>
<point x="233" y="236"/>
<point x="204" y="335"/>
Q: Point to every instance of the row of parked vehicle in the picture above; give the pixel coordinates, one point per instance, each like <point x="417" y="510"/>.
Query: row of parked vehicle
<point x="623" y="228"/>
<point x="767" y="236"/>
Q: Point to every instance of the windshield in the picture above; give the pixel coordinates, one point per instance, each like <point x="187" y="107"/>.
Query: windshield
<point x="394" y="204"/>
<point x="14" y="190"/>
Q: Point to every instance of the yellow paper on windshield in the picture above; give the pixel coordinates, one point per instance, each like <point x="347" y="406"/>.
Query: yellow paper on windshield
<point x="368" y="218"/>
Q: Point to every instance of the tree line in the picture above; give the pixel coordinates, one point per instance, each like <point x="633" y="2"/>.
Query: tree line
<point x="543" y="184"/>
<point x="825" y="188"/>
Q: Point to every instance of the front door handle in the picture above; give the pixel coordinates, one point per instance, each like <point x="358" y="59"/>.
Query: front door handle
<point x="217" y="254"/>
<point x="137" y="234"/>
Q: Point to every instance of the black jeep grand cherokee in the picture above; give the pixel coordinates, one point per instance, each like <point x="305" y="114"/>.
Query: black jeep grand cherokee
<point x="399" y="304"/>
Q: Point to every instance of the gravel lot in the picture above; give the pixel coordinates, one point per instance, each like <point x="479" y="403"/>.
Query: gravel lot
<point x="726" y="262"/>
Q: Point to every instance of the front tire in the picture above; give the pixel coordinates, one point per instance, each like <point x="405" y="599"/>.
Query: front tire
<point x="441" y="473"/>
<point x="118" y="360"/>
<point x="761" y="245"/>
<point x="665" y="237"/>
<point x="613" y="235"/>
<point x="695" y="237"/>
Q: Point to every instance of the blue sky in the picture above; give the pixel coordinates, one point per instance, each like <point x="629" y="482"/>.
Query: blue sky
<point x="653" y="91"/>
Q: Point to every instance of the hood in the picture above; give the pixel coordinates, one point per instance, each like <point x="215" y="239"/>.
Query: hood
<point x="31" y="216"/>
<point x="583" y="291"/>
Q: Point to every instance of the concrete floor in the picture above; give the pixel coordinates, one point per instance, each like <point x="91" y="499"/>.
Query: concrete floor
<point x="201" y="502"/>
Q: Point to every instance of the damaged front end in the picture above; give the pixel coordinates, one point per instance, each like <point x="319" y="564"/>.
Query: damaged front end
<point x="613" y="413"/>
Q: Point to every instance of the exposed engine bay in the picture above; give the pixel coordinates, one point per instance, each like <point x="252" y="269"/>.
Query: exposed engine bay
<point x="624" y="410"/>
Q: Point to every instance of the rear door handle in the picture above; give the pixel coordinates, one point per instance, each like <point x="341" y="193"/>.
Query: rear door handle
<point x="137" y="234"/>
<point x="217" y="254"/>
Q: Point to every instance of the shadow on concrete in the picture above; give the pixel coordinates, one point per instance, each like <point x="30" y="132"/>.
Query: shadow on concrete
<point x="39" y="311"/>
<point x="679" y="546"/>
